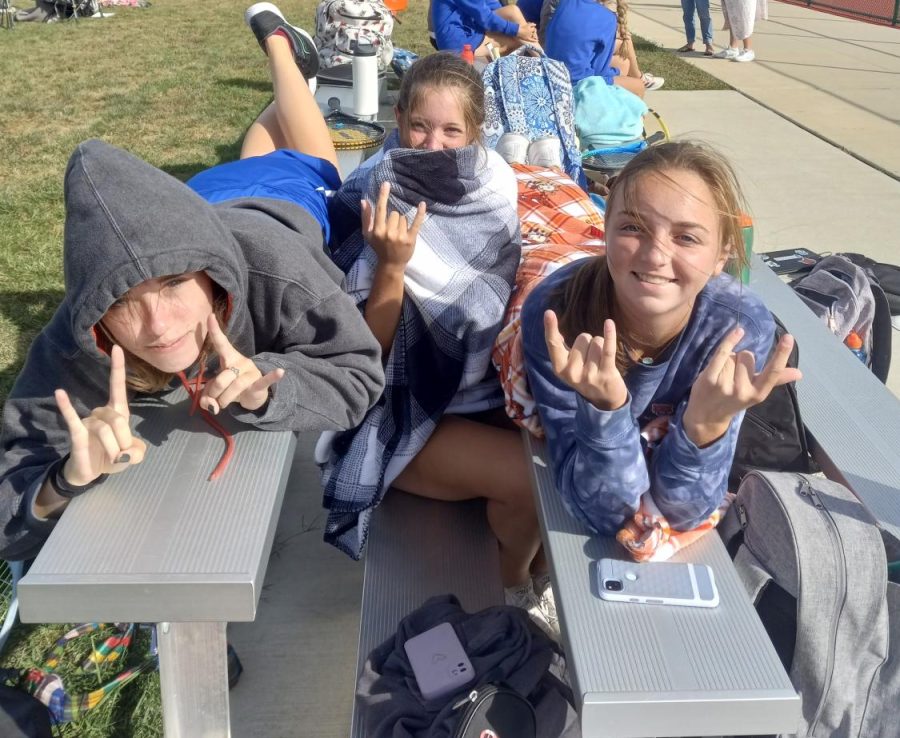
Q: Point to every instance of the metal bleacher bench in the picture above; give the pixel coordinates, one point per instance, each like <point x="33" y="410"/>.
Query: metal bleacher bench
<point x="640" y="671"/>
<point x="161" y="544"/>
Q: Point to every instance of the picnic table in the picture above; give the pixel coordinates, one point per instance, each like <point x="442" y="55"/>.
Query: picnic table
<point x="160" y="543"/>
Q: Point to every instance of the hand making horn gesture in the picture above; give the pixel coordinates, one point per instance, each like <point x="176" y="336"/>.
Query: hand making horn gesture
<point x="730" y="384"/>
<point x="589" y="367"/>
<point x="102" y="442"/>
<point x="239" y="380"/>
<point x="389" y="235"/>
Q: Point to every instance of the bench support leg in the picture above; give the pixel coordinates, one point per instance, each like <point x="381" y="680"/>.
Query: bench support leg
<point x="193" y="674"/>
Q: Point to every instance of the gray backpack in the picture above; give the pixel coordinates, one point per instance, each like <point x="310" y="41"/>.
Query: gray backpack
<point x="815" y="564"/>
<point x="848" y="298"/>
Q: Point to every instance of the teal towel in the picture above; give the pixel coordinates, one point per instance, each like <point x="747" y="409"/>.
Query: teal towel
<point x="606" y="115"/>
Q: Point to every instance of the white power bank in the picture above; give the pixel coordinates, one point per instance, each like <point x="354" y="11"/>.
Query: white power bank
<point x="438" y="661"/>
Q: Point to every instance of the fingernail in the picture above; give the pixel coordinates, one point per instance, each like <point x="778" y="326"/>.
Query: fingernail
<point x="123" y="459"/>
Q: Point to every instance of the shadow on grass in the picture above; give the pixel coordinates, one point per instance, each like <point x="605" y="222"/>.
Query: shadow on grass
<point x="224" y="153"/>
<point x="246" y="84"/>
<point x="29" y="312"/>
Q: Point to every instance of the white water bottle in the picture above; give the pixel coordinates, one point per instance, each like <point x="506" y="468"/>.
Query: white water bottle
<point x="365" y="81"/>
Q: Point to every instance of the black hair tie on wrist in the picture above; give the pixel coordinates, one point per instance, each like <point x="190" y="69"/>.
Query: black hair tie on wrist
<point x="64" y="488"/>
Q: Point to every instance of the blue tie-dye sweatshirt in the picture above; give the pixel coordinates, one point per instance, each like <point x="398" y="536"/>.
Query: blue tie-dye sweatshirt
<point x="599" y="463"/>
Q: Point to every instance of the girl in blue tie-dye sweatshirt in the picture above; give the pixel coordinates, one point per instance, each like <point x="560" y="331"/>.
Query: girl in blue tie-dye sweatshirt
<point x="653" y="331"/>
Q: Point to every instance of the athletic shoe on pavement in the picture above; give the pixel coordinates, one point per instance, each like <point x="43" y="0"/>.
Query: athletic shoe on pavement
<point x="545" y="152"/>
<point x="265" y="19"/>
<point x="525" y="599"/>
<point x="652" y="82"/>
<point x="513" y="147"/>
<point x="546" y="599"/>
<point x="729" y="52"/>
<point x="745" y="55"/>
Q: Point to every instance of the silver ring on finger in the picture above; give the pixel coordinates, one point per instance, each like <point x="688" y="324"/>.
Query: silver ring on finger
<point x="234" y="370"/>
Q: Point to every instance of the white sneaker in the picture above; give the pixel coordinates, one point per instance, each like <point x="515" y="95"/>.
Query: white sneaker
<point x="545" y="152"/>
<point x="525" y="599"/>
<point x="745" y="55"/>
<point x="546" y="599"/>
<point x="728" y="52"/>
<point x="513" y="147"/>
<point x="652" y="82"/>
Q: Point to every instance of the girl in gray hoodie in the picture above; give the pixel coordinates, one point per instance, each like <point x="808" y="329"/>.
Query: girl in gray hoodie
<point x="236" y="299"/>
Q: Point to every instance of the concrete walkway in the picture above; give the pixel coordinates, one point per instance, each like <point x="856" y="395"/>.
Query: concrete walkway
<point x="832" y="75"/>
<point x="300" y="654"/>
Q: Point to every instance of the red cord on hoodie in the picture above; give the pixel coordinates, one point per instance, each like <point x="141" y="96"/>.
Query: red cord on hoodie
<point x="194" y="393"/>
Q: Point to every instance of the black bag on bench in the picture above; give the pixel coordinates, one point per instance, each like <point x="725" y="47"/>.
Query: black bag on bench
<point x="497" y="711"/>
<point x="504" y="648"/>
<point x="772" y="436"/>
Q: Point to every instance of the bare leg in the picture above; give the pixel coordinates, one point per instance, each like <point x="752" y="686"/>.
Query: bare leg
<point x="748" y="42"/>
<point x="511" y="13"/>
<point x="293" y="120"/>
<point x="464" y="460"/>
<point x="626" y="51"/>
<point x="631" y="84"/>
<point x="504" y="44"/>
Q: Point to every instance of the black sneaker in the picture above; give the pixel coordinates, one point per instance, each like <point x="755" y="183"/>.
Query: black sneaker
<point x="265" y="19"/>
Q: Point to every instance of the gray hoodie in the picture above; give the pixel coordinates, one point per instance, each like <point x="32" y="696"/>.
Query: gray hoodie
<point x="127" y="222"/>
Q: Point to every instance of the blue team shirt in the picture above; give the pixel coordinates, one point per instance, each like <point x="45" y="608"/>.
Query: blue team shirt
<point x="599" y="462"/>
<point x="582" y="35"/>
<point x="460" y="22"/>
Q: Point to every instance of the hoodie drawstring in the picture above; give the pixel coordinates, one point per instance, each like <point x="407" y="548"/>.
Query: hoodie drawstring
<point x="194" y="393"/>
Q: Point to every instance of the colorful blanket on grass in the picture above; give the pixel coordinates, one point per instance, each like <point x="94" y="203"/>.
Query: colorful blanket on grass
<point x="45" y="685"/>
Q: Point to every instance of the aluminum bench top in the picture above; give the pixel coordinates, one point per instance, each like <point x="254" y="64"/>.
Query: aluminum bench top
<point x="853" y="418"/>
<point x="159" y="542"/>
<point x="656" y="670"/>
<point x="418" y="548"/>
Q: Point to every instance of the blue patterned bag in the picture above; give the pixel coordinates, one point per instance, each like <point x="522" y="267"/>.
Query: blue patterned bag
<point x="529" y="93"/>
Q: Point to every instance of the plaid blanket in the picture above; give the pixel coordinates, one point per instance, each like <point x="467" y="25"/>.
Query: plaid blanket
<point x="456" y="288"/>
<point x="559" y="224"/>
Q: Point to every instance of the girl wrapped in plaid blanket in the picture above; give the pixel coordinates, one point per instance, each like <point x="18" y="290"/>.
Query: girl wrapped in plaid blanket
<point x="433" y="263"/>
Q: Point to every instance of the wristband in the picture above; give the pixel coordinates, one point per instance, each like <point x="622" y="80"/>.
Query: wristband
<point x="64" y="488"/>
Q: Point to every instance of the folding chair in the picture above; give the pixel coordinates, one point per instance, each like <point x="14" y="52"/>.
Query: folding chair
<point x="601" y="164"/>
<point x="10" y="573"/>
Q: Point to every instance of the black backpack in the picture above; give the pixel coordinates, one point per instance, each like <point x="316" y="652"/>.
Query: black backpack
<point x="497" y="711"/>
<point x="21" y="715"/>
<point x="772" y="436"/>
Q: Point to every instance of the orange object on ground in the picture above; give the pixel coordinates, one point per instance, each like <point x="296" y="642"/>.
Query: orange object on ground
<point x="396" y="6"/>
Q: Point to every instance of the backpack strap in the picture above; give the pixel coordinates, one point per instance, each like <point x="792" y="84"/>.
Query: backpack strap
<point x="752" y="573"/>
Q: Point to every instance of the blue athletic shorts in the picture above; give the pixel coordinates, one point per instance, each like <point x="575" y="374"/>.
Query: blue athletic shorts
<point x="282" y="175"/>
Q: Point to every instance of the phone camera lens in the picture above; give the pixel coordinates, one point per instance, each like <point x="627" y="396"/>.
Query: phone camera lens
<point x="612" y="585"/>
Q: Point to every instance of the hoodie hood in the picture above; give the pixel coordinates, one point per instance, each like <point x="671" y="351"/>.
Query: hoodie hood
<point x="127" y="222"/>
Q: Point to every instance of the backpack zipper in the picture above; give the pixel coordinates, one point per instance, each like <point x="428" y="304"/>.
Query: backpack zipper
<point x="806" y="490"/>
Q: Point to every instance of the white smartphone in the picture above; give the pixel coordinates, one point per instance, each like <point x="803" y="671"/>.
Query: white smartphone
<point x="657" y="583"/>
<point x="438" y="661"/>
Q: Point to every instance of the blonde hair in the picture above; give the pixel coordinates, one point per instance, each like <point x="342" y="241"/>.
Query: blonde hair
<point x="588" y="298"/>
<point x="622" y="18"/>
<point x="441" y="70"/>
<point x="143" y="376"/>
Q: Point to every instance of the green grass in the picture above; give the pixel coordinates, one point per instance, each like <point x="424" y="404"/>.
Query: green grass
<point x="176" y="84"/>
<point x="678" y="73"/>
